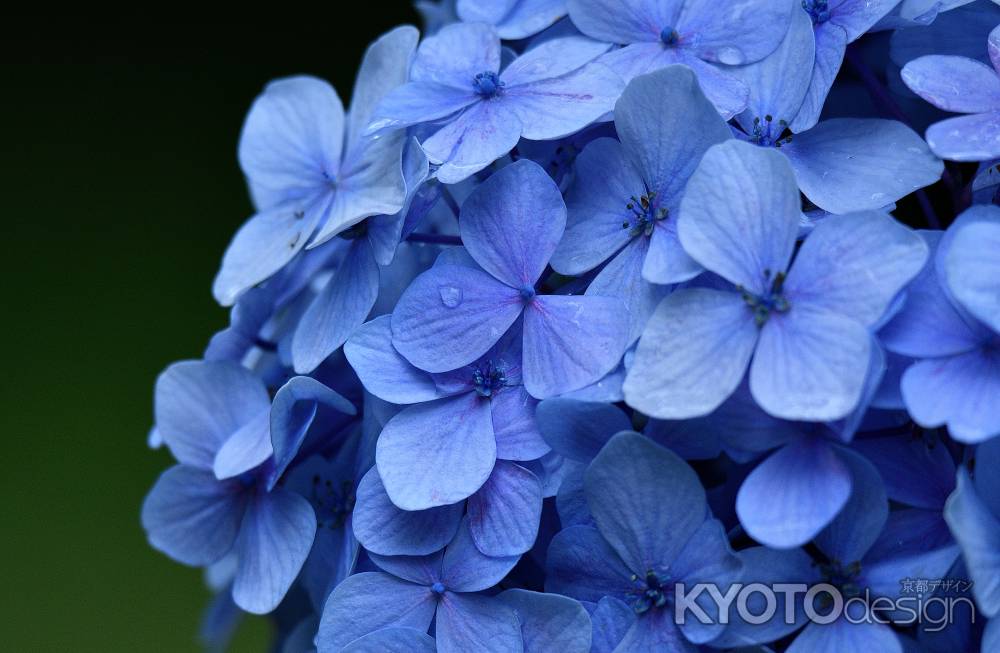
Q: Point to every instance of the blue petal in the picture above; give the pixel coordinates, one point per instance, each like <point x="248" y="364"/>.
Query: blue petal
<point x="248" y="447"/>
<point x="831" y="44"/>
<point x="384" y="529"/>
<point x="855" y="265"/>
<point x="622" y="22"/>
<point x="579" y="429"/>
<point x="480" y="135"/>
<point x="359" y="606"/>
<point x="437" y="453"/>
<point x="549" y="622"/>
<point x="295" y="406"/>
<point x="514" y="19"/>
<point x="855" y="164"/>
<point x="811" y="364"/>
<point x="611" y="619"/>
<point x="456" y="54"/>
<point x="623" y="276"/>
<point x="973" y="269"/>
<point x="476" y="623"/>
<point x="858" y="17"/>
<point x="553" y="58"/>
<point x="789" y="498"/>
<point x="654" y="631"/>
<point x="419" y="102"/>
<point x="645" y="500"/>
<point x="966" y="138"/>
<point x="505" y="512"/>
<point x="694" y="352"/>
<point x="393" y="640"/>
<point x="740" y="229"/>
<point x="422" y="570"/>
<point x="512" y="223"/>
<point x="841" y="636"/>
<point x="571" y="501"/>
<point x="736" y="33"/>
<point x="915" y="473"/>
<point x="860" y="523"/>
<point x="450" y="316"/>
<point x="514" y="427"/>
<point x="706" y="558"/>
<point x="385" y="373"/>
<point x="339" y="309"/>
<point x="274" y="541"/>
<point x="583" y="565"/>
<point x="199" y="405"/>
<point x="466" y="569"/>
<point x="191" y="516"/>
<point x="571" y="342"/>
<point x="977" y="531"/>
<point x="954" y="84"/>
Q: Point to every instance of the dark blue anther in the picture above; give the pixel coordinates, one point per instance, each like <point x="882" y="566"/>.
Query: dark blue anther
<point x="527" y="293"/>
<point x="669" y="36"/>
<point x="651" y="593"/>
<point x="438" y="588"/>
<point x="818" y="10"/>
<point x="772" y="301"/>
<point x="488" y="84"/>
<point x="489" y="379"/>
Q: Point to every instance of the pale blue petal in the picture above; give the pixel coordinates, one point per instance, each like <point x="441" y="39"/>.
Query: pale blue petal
<point x="966" y="138"/>
<point x="734" y="226"/>
<point x="860" y="523"/>
<point x="420" y="102"/>
<point x="381" y="369"/>
<point x="551" y="59"/>
<point x="579" y="429"/>
<point x="855" y="265"/>
<point x="339" y="309"/>
<point x="581" y="564"/>
<point x="450" y="316"/>
<point x="384" y="529"/>
<point x="611" y="619"/>
<point x="604" y="183"/>
<point x="549" y="622"/>
<point x="627" y="21"/>
<point x="655" y="631"/>
<point x="199" y="405"/>
<point x="247" y="448"/>
<point x="520" y="18"/>
<point x="794" y="494"/>
<point x="191" y="516"/>
<point x="512" y="223"/>
<point x="973" y="269"/>
<point x="437" y="453"/>
<point x="977" y="530"/>
<point x="860" y="164"/>
<point x="831" y="44"/>
<point x="274" y="541"/>
<point x="456" y="54"/>
<point x="504" y="513"/>
<point x="959" y="391"/>
<point x="666" y="261"/>
<point x="648" y="529"/>
<point x="693" y="354"/>
<point x="955" y="84"/>
<point x="393" y="640"/>
<point x="476" y="623"/>
<point x="723" y="88"/>
<point x="359" y="606"/>
<point x="858" y="16"/>
<point x="623" y="276"/>
<point x="514" y="426"/>
<point x="466" y="569"/>
<point x="735" y="33"/>
<point x="571" y="342"/>
<point x="479" y="136"/>
<point x="811" y="364"/>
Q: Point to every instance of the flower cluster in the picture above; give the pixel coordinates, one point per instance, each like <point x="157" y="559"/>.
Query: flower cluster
<point x="582" y="302"/>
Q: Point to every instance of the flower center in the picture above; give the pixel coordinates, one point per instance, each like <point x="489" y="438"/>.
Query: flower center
<point x="490" y="378"/>
<point x="650" y="592"/>
<point x="488" y="84"/>
<point x="438" y="588"/>
<point x="771" y="301"/>
<point x="843" y="577"/>
<point x="818" y="10"/>
<point x="333" y="502"/>
<point x="527" y="294"/>
<point x="645" y="215"/>
<point x="669" y="36"/>
<point x="767" y="133"/>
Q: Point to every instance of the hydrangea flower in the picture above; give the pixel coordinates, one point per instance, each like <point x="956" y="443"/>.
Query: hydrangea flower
<point x="311" y="169"/>
<point x="699" y="34"/>
<point x="513" y="19"/>
<point x="961" y="85"/>
<point x="806" y="325"/>
<point x="451" y="314"/>
<point x="548" y="92"/>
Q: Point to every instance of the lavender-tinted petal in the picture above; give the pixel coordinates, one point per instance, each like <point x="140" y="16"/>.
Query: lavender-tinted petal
<point x="358" y="607"/>
<point x="553" y="58"/>
<point x="571" y="342"/>
<point x="549" y="622"/>
<point x="561" y="106"/>
<point x="339" y="309"/>
<point x="382" y="370"/>
<point x="958" y="391"/>
<point x="955" y="84"/>
<point x="456" y="54"/>
<point x="505" y="512"/>
<point x="623" y="22"/>
<point x="724" y="89"/>
<point x="841" y="173"/>
<point x="790" y="497"/>
<point x="437" y="453"/>
<point x="514" y="426"/>
<point x="479" y="136"/>
<point x="966" y="138"/>
<point x="649" y="528"/>
<point x="384" y="529"/>
<point x="466" y="569"/>
<point x="740" y="229"/>
<point x="512" y="223"/>
<point x="191" y="516"/>
<point x="476" y="623"/>
<point x="694" y="352"/>
<point x="582" y="564"/>
<point x="199" y="405"/>
<point x="450" y="316"/>
<point x="274" y="541"/>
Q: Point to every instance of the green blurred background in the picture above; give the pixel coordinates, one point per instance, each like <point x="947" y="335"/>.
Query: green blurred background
<point x="120" y="192"/>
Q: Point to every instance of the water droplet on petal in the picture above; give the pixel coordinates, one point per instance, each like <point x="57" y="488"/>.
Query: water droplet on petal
<point x="450" y="296"/>
<point x="730" y="56"/>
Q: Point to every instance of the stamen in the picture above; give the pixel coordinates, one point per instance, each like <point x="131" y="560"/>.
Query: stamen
<point x="772" y="301"/>
<point x="818" y="10"/>
<point x="490" y="378"/>
<point x="488" y="84"/>
<point x="669" y="36"/>
<point x="645" y="214"/>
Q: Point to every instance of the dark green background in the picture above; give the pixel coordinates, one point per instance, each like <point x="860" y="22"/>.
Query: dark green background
<point x="120" y="192"/>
